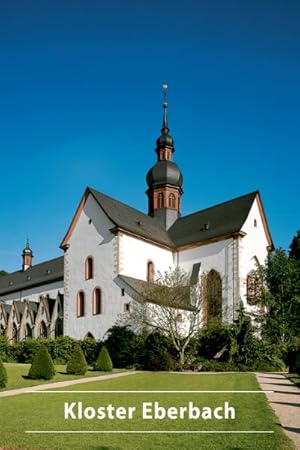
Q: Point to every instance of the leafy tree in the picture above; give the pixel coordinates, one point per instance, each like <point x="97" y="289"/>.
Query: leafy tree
<point x="77" y="365"/>
<point x="295" y="247"/>
<point x="170" y="306"/>
<point x="42" y="365"/>
<point x="104" y="361"/>
<point x="280" y="294"/>
<point x="3" y="272"/>
<point x="3" y="375"/>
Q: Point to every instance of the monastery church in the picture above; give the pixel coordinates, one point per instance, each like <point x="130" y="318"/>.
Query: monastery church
<point x="111" y="249"/>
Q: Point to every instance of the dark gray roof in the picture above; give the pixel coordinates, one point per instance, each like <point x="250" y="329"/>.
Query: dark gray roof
<point x="43" y="273"/>
<point x="141" y="288"/>
<point x="132" y="220"/>
<point x="220" y="220"/>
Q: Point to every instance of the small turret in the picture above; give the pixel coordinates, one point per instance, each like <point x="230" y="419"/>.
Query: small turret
<point x="27" y="256"/>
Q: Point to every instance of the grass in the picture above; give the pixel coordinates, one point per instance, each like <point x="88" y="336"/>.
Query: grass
<point x="39" y="411"/>
<point x="294" y="377"/>
<point x="16" y="372"/>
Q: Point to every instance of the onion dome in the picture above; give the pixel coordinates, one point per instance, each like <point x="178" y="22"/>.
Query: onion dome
<point x="164" y="172"/>
<point x="27" y="250"/>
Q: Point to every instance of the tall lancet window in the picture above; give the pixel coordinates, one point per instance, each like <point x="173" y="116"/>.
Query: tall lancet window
<point x="172" y="201"/>
<point x="89" y="268"/>
<point x="80" y="304"/>
<point x="150" y="271"/>
<point x="160" y="200"/>
<point x="97" y="301"/>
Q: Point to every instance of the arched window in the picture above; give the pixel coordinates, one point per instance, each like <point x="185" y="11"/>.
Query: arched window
<point x="43" y="330"/>
<point x="160" y="200"/>
<point x="28" y="331"/>
<point x="89" y="336"/>
<point x="150" y="271"/>
<point x="89" y="268"/>
<point x="214" y="297"/>
<point x="97" y="301"/>
<point x="172" y="201"/>
<point x="80" y="304"/>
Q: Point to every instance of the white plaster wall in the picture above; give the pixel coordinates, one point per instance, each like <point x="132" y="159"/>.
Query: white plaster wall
<point x="219" y="256"/>
<point x="254" y="244"/>
<point x="134" y="255"/>
<point x="33" y="294"/>
<point x="92" y="237"/>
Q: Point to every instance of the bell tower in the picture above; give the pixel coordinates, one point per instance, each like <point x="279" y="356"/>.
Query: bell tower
<point x="164" y="179"/>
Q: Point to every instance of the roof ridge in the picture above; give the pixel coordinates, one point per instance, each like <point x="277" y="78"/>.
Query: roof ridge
<point x="219" y="204"/>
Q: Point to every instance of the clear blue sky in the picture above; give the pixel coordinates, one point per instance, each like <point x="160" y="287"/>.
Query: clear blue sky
<point x="81" y="105"/>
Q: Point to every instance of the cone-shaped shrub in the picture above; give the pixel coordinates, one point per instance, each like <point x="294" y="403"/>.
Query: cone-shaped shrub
<point x="42" y="365"/>
<point x="103" y="361"/>
<point x="77" y="364"/>
<point x="3" y="375"/>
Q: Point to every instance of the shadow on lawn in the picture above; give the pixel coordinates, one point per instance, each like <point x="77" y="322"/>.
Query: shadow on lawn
<point x="294" y="430"/>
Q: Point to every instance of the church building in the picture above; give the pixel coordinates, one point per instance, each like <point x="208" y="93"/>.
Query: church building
<point x="111" y="249"/>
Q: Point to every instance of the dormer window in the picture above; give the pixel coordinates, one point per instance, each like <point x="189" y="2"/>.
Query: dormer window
<point x="89" y="268"/>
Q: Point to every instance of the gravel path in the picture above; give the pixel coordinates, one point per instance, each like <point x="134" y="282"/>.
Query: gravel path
<point x="60" y="384"/>
<point x="285" y="401"/>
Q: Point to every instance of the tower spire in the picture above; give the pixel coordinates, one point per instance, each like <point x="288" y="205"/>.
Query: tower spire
<point x="27" y="256"/>
<point x="165" y="108"/>
<point x="164" y="179"/>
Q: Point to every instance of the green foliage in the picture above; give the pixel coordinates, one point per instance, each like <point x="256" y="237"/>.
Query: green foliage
<point x="214" y="339"/>
<point x="103" y="361"/>
<point x="25" y="350"/>
<point x="295" y="247"/>
<point x="77" y="364"/>
<point x="4" y="348"/>
<point x="121" y="344"/>
<point x="281" y="297"/>
<point x="3" y="272"/>
<point x="90" y="348"/>
<point x="42" y="365"/>
<point x="3" y="375"/>
<point x="151" y="348"/>
<point x="61" y="348"/>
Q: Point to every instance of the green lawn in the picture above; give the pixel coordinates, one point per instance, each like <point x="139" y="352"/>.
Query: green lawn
<point x="38" y="411"/>
<point x="16" y="372"/>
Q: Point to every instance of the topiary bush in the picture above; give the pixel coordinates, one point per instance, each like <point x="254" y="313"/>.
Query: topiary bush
<point x="42" y="365"/>
<point x="77" y="365"/>
<point x="3" y="375"/>
<point x="103" y="361"/>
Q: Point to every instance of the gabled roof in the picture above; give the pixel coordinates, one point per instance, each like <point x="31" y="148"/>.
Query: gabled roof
<point x="43" y="273"/>
<point x="141" y="288"/>
<point x="124" y="217"/>
<point x="217" y="222"/>
<point x="220" y="220"/>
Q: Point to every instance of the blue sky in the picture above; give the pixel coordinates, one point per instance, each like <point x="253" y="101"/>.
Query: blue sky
<point x="81" y="106"/>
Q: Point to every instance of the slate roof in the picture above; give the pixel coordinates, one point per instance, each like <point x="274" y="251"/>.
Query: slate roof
<point x="141" y="286"/>
<point x="132" y="220"/>
<point x="43" y="273"/>
<point x="219" y="220"/>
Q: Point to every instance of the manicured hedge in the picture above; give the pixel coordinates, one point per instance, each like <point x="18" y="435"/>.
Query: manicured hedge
<point x="77" y="365"/>
<point x="103" y="361"/>
<point x="42" y="365"/>
<point x="3" y="375"/>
